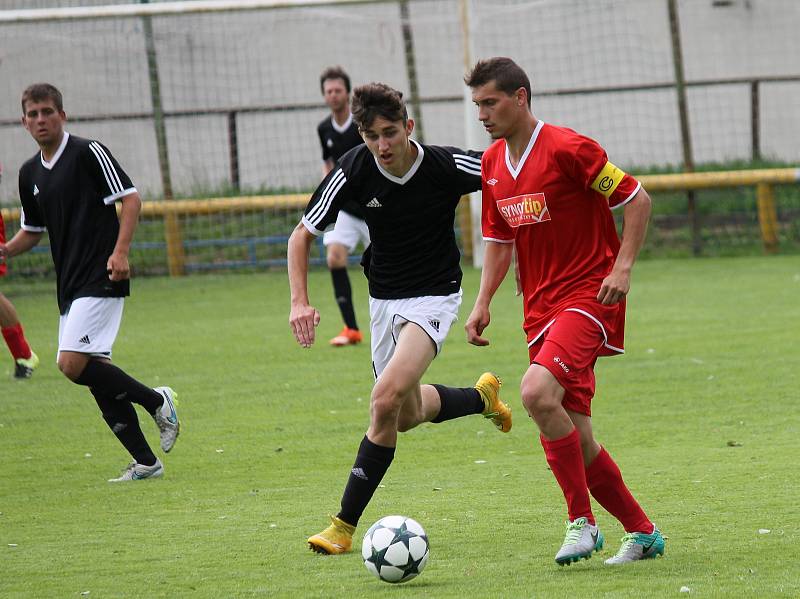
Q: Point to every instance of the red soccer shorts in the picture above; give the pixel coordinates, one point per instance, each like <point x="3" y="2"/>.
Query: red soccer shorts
<point x="569" y="349"/>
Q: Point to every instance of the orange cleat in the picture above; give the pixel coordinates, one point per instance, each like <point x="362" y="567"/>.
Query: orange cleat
<point x="347" y="337"/>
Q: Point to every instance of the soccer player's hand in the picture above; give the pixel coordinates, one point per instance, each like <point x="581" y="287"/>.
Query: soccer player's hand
<point x="614" y="288"/>
<point x="118" y="268"/>
<point x="476" y="323"/>
<point x="304" y="320"/>
<point x="3" y="252"/>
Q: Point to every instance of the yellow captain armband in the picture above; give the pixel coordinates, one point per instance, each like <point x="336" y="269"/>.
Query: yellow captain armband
<point x="608" y="180"/>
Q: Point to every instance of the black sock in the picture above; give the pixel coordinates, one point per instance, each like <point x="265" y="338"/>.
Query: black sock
<point x="344" y="296"/>
<point x="371" y="464"/>
<point x="120" y="415"/>
<point x="104" y="375"/>
<point x="458" y="402"/>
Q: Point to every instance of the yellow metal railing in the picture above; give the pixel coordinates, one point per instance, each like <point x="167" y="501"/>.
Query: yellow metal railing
<point x="763" y="180"/>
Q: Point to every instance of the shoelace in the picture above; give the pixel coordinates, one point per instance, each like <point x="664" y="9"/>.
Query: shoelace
<point x="627" y="542"/>
<point x="574" y="531"/>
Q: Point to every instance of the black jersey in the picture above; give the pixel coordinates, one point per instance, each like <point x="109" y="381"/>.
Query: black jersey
<point x="72" y="197"/>
<point x="410" y="219"/>
<point x="336" y="141"/>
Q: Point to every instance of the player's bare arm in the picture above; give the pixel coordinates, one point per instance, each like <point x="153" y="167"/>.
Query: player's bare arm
<point x="22" y="242"/>
<point x="636" y="215"/>
<point x="303" y="317"/>
<point x="117" y="265"/>
<point x="496" y="260"/>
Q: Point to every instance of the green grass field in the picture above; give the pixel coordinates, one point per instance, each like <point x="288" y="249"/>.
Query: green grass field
<point x="701" y="414"/>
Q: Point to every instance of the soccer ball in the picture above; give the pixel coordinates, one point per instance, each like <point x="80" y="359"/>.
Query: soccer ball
<point x="395" y="549"/>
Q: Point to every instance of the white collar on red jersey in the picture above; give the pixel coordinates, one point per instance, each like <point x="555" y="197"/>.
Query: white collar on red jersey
<point x="515" y="171"/>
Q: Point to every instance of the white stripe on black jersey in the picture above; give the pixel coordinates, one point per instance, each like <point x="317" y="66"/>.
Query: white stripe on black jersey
<point x="335" y="143"/>
<point x="72" y="203"/>
<point x="335" y="183"/>
<point x="108" y="169"/>
<point x="413" y="251"/>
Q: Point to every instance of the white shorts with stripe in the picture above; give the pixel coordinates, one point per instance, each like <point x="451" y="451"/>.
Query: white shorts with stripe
<point x="90" y="325"/>
<point x="347" y="231"/>
<point x="435" y="314"/>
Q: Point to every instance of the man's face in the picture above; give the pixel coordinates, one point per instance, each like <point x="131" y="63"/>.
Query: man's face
<point x="44" y="121"/>
<point x="335" y="94"/>
<point x="497" y="110"/>
<point x="388" y="141"/>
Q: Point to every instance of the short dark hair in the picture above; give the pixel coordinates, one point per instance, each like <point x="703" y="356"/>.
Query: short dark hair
<point x="39" y="92"/>
<point x="336" y="72"/>
<point x="377" y="99"/>
<point x="507" y="75"/>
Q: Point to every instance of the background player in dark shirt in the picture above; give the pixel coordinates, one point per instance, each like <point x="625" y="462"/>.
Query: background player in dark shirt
<point x="409" y="193"/>
<point x="25" y="360"/>
<point x="70" y="189"/>
<point x="338" y="134"/>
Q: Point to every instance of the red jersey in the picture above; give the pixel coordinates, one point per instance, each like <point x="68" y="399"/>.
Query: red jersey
<point x="556" y="207"/>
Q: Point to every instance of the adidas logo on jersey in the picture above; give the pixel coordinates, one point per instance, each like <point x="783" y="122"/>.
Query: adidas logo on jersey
<point x="374" y="203"/>
<point x="35" y="190"/>
<point x="84" y="339"/>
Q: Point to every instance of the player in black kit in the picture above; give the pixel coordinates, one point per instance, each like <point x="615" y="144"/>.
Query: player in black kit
<point x="338" y="133"/>
<point x="409" y="193"/>
<point x="70" y="189"/>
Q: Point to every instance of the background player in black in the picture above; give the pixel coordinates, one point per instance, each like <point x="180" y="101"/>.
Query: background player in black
<point x="338" y="133"/>
<point x="409" y="193"/>
<point x="25" y="360"/>
<point x="70" y="188"/>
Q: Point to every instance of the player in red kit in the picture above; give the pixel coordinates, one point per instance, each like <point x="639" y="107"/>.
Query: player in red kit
<point x="548" y="192"/>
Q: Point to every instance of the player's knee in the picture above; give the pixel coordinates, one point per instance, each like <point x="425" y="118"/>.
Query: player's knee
<point x="385" y="404"/>
<point x="337" y="256"/>
<point x="537" y="398"/>
<point x="70" y="369"/>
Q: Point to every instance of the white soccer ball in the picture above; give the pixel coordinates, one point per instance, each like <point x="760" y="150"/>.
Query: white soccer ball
<point x="395" y="549"/>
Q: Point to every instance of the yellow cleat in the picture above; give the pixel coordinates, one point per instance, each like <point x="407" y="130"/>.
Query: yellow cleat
<point x="489" y="388"/>
<point x="337" y="538"/>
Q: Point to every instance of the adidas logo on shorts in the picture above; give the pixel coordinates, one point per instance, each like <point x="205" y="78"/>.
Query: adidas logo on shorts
<point x="84" y="339"/>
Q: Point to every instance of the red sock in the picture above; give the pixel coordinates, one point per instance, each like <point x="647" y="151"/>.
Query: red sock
<point x="607" y="487"/>
<point x="15" y="339"/>
<point x="565" y="458"/>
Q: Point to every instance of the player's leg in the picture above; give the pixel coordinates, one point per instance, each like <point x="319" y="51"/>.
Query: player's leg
<point x="396" y="390"/>
<point x="604" y="479"/>
<point x="25" y="360"/>
<point x="339" y="243"/>
<point x="558" y="379"/>
<point x="86" y="336"/>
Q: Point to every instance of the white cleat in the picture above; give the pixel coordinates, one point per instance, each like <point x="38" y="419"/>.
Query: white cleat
<point x="167" y="418"/>
<point x="582" y="539"/>
<point x="638" y="545"/>
<point x="136" y="471"/>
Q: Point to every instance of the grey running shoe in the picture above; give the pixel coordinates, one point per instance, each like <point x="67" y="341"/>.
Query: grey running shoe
<point x="136" y="471"/>
<point x="167" y="418"/>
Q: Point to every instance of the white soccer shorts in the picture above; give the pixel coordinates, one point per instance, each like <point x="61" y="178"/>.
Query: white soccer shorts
<point x="90" y="325"/>
<point x="347" y="231"/>
<point x="434" y="313"/>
